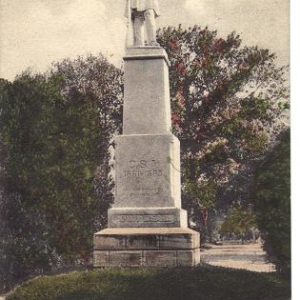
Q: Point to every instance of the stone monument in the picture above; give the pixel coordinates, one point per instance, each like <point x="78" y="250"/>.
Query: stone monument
<point x="146" y="225"/>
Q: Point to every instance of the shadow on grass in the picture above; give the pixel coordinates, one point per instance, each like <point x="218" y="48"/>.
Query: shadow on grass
<point x="205" y="282"/>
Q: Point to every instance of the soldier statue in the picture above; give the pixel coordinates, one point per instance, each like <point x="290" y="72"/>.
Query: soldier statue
<point x="142" y="13"/>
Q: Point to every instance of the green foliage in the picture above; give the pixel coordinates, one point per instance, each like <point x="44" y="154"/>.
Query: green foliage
<point x="240" y="222"/>
<point x="56" y="132"/>
<point x="271" y="194"/>
<point x="204" y="193"/>
<point x="209" y="283"/>
<point x="24" y="118"/>
<point x="201" y="199"/>
<point x="228" y="106"/>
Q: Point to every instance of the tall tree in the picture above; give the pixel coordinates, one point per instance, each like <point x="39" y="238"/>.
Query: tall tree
<point x="56" y="133"/>
<point x="228" y="105"/>
<point x="99" y="84"/>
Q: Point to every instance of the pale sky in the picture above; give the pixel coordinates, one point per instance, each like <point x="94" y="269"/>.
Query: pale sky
<point x="34" y="33"/>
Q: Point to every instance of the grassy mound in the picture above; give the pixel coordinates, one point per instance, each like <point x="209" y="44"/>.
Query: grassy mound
<point x="205" y="282"/>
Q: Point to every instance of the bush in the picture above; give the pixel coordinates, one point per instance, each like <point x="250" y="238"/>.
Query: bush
<point x="272" y="204"/>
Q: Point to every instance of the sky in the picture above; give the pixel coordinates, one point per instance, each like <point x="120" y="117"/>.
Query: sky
<point x="35" y="33"/>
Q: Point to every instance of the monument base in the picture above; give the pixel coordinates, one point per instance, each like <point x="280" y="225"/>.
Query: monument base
<point x="147" y="217"/>
<point x="146" y="247"/>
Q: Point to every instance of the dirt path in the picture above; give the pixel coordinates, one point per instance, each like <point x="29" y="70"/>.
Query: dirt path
<point x="249" y="257"/>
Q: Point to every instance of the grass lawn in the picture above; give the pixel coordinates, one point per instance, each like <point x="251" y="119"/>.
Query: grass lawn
<point x="205" y="282"/>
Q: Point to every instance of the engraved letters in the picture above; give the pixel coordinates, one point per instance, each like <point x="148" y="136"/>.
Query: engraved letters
<point x="142" y="169"/>
<point x="142" y="219"/>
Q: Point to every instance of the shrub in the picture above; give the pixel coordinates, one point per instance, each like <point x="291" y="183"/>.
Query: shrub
<point x="272" y="204"/>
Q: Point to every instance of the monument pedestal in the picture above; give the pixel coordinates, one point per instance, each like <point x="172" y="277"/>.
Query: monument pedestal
<point x="146" y="225"/>
<point x="146" y="247"/>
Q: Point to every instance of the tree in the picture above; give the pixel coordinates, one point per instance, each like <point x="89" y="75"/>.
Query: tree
<point x="24" y="231"/>
<point x="99" y="84"/>
<point x="271" y="198"/>
<point x="56" y="133"/>
<point x="200" y="200"/>
<point x="240" y="222"/>
<point x="228" y="103"/>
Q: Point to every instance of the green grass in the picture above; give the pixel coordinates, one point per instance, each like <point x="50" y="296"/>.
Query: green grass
<point x="205" y="282"/>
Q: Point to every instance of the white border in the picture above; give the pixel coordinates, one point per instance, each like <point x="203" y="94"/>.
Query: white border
<point x="295" y="115"/>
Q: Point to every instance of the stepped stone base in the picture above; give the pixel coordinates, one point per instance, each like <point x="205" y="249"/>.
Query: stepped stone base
<point x="146" y="247"/>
